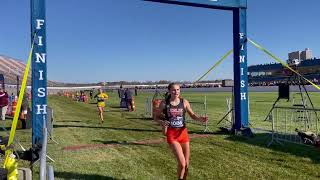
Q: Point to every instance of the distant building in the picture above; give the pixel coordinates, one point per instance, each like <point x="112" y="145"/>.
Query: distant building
<point x="294" y="55"/>
<point x="298" y="56"/>
<point x="275" y="73"/>
<point x="227" y="83"/>
<point x="306" y="54"/>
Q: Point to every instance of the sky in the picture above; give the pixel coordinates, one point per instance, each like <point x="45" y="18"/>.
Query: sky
<point x="134" y="40"/>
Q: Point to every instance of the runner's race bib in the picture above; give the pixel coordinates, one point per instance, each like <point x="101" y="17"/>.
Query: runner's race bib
<point x="177" y="122"/>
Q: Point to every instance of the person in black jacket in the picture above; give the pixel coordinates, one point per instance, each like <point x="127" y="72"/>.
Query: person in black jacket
<point x="129" y="100"/>
<point x="121" y="94"/>
<point x="136" y="91"/>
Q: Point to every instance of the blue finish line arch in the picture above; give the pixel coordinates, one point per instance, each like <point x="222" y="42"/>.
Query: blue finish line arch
<point x="39" y="60"/>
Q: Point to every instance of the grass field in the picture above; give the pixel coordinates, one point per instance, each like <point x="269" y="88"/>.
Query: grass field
<point x="116" y="149"/>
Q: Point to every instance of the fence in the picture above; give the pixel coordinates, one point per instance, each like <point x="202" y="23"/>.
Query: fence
<point x="287" y="122"/>
<point x="50" y="122"/>
<point x="198" y="107"/>
<point x="44" y="174"/>
<point x="148" y="108"/>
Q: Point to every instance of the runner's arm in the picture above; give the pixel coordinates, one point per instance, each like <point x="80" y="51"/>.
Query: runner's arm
<point x="160" y="118"/>
<point x="106" y="96"/>
<point x="192" y="114"/>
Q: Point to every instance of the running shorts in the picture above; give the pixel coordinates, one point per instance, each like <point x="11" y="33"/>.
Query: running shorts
<point x="179" y="135"/>
<point x="101" y="104"/>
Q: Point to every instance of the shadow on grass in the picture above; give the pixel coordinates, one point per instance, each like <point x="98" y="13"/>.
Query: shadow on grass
<point x="262" y="140"/>
<point x="103" y="127"/>
<point x="5" y="128"/>
<point x="200" y="132"/>
<point x="71" y="121"/>
<point x="9" y="117"/>
<point x="69" y="175"/>
<point x="141" y="118"/>
<point x="116" y="107"/>
<point x="119" y="110"/>
<point x="119" y="143"/>
<point x="258" y="101"/>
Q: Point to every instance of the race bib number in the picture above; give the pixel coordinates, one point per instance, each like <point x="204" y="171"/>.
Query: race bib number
<point x="177" y="122"/>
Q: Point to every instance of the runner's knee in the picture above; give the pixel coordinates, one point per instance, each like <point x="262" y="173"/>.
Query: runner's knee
<point x="182" y="164"/>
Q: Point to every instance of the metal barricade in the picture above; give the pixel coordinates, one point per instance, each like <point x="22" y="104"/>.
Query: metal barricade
<point x="50" y="173"/>
<point x="148" y="108"/>
<point x="50" y="122"/>
<point x="199" y="108"/>
<point x="288" y="121"/>
<point x="44" y="173"/>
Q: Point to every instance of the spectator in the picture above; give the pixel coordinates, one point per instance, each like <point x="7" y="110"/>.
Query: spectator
<point x="91" y="93"/>
<point x="136" y="91"/>
<point x="24" y="107"/>
<point x="121" y="94"/>
<point x="77" y="96"/>
<point x="4" y="101"/>
<point x="11" y="98"/>
<point x="129" y="100"/>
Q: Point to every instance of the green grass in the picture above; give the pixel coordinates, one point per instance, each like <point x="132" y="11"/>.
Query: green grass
<point x="217" y="157"/>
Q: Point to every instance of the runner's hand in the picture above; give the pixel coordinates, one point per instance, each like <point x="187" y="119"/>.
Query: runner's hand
<point x="165" y="123"/>
<point x="204" y="118"/>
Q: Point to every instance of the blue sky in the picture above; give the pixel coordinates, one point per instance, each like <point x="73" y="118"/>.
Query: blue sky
<point x="112" y="40"/>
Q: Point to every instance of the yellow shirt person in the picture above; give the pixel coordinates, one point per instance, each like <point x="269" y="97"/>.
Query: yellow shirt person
<point x="101" y="97"/>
